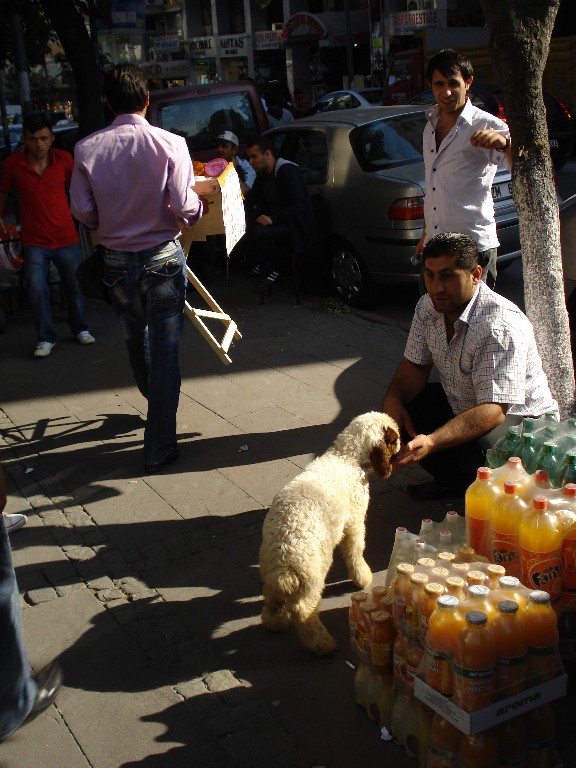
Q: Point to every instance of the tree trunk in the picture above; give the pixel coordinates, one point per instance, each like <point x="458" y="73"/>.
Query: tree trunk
<point x="70" y="27"/>
<point x="520" y="41"/>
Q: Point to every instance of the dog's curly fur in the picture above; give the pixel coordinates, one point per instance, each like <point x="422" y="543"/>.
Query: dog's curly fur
<point x="321" y="508"/>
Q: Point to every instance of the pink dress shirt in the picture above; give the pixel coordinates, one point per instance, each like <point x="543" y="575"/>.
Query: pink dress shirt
<point x="131" y="182"/>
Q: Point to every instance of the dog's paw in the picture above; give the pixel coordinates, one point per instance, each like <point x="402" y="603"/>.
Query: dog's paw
<point x="362" y="576"/>
<point x="275" y="622"/>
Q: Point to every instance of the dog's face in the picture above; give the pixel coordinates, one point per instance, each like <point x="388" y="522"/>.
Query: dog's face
<point x="382" y="453"/>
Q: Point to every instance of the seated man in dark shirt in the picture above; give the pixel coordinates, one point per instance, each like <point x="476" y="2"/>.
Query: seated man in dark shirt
<point x="278" y="210"/>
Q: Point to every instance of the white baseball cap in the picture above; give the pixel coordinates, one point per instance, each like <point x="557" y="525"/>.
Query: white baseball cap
<point x="228" y="136"/>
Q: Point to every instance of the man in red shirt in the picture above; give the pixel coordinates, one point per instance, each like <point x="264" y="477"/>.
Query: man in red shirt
<point x="40" y="176"/>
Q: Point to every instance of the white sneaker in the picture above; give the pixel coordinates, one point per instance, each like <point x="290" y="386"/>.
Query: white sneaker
<point x="15" y="522"/>
<point x="43" y="348"/>
<point x="84" y="337"/>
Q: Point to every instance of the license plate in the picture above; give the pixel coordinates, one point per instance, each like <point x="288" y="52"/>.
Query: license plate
<point x="502" y="191"/>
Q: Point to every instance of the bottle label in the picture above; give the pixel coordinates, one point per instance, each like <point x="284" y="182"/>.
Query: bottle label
<point x="474" y="687"/>
<point x="438" y="671"/>
<point x="542" y="570"/>
<point x="505" y="552"/>
<point x="542" y="662"/>
<point x="569" y="565"/>
<point x="381" y="654"/>
<point x="511" y="672"/>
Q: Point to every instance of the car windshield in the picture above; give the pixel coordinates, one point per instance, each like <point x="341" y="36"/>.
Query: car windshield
<point x="201" y="118"/>
<point x="390" y="142"/>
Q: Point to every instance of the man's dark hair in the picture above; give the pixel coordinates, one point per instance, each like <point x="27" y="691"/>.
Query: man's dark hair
<point x="450" y="244"/>
<point x="125" y="89"/>
<point x="449" y="62"/>
<point x="263" y="142"/>
<point x="36" y="122"/>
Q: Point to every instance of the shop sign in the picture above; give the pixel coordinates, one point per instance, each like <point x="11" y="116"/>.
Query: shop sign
<point x="202" y="46"/>
<point x="232" y="45"/>
<point x="201" y="65"/>
<point x="304" y="25"/>
<point x="267" y="40"/>
<point x="166" y="44"/>
<point x="410" y="21"/>
<point x="166" y="69"/>
<point x="122" y="14"/>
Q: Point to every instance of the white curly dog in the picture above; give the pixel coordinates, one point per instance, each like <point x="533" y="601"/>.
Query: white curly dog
<point x="321" y="508"/>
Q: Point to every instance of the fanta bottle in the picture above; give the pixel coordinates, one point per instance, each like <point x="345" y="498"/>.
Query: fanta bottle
<point x="475" y="663"/>
<point x="401" y="591"/>
<point x="564" y="505"/>
<point x="478" y="751"/>
<point x="478" y="503"/>
<point x="444" y="741"/>
<point x="506" y="516"/>
<point x="542" y="637"/>
<point x="540" y="541"/>
<point x="511" y="650"/>
<point x="512" y="470"/>
<point x="432" y="592"/>
<point x="444" y="628"/>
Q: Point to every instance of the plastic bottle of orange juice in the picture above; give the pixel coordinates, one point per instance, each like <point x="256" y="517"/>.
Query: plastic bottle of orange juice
<point x="540" y="541"/>
<point x="418" y="581"/>
<point x="381" y="642"/>
<point x="542" y="637"/>
<point x="475" y="663"/>
<point x="478" y="504"/>
<point x="510" y="588"/>
<point x="512" y="470"/>
<point x="444" y="741"/>
<point x="479" y="598"/>
<point x="401" y="591"/>
<point x="509" y="510"/>
<point x="444" y="627"/>
<point x="356" y="621"/>
<point x="478" y="751"/>
<point x="511" y="650"/>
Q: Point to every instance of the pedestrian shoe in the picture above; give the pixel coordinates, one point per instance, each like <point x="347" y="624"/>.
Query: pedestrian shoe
<point x="48" y="683"/>
<point x="432" y="490"/>
<point x="172" y="455"/>
<point x="14" y="522"/>
<point x="84" y="337"/>
<point x="43" y="348"/>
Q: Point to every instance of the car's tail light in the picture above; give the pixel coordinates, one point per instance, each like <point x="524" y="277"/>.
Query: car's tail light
<point x="407" y="209"/>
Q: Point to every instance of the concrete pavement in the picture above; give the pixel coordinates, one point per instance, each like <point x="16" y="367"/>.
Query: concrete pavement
<point x="146" y="588"/>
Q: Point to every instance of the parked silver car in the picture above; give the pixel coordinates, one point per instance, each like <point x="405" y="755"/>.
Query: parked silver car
<point x="365" y="174"/>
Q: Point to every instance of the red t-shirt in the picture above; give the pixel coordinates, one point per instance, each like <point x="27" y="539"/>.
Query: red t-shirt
<point x="45" y="218"/>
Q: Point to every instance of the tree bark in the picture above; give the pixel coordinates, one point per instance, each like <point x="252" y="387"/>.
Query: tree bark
<point x="70" y="27"/>
<point x="520" y="41"/>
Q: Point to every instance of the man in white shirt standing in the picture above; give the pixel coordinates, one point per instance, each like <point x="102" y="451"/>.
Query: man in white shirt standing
<point x="462" y="147"/>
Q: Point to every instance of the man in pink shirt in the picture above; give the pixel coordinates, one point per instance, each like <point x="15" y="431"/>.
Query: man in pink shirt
<point x="133" y="183"/>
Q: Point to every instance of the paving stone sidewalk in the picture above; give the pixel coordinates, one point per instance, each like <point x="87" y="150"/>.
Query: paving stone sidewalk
<point x="146" y="587"/>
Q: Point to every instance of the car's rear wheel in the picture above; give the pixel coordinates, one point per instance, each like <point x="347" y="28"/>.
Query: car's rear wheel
<point x="349" y="277"/>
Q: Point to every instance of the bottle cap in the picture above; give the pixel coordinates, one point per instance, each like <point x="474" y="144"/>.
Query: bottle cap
<point x="483" y="473"/>
<point x="445" y="536"/>
<point x="507" y="606"/>
<point x="527" y="439"/>
<point x="425" y="562"/>
<point x="528" y="424"/>
<point x="401" y="530"/>
<point x="455" y="582"/>
<point x="510" y="486"/>
<point x="427" y="522"/>
<point x="476" y="577"/>
<point x="514" y="462"/>
<point x="493" y="568"/>
<point x="446" y="557"/>
<point x="440" y="572"/>
<point x="509" y="581"/>
<point x="462" y="568"/>
<point x="379" y="591"/>
<point x="476" y="617"/>
<point x="570" y="489"/>
<point x="478" y="590"/>
<point x="433" y="589"/>
<point x="539" y="596"/>
<point x="539" y="502"/>
<point x="359" y="597"/>
<point x="419" y="578"/>
<point x="405" y="568"/>
<point x="448" y="601"/>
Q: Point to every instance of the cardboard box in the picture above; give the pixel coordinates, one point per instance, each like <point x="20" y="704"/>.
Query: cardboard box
<point x="481" y="719"/>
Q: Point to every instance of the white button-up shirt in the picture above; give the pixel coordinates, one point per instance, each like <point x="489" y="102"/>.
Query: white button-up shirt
<point x="492" y="357"/>
<point x="459" y="177"/>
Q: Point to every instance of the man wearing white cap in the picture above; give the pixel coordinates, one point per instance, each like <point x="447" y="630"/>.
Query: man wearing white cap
<point x="227" y="148"/>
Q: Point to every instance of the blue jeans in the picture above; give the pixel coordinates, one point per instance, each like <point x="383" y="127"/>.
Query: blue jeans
<point x="36" y="269"/>
<point x="148" y="293"/>
<point x="17" y="687"/>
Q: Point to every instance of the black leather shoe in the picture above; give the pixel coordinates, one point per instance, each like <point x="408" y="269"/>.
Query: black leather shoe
<point x="49" y="682"/>
<point x="432" y="490"/>
<point x="172" y="456"/>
